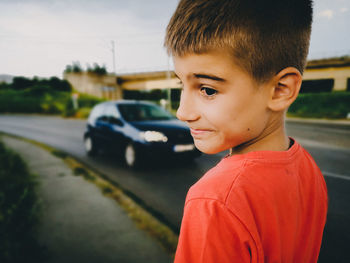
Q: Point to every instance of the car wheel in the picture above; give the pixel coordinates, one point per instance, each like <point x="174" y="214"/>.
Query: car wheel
<point x="90" y="146"/>
<point x="130" y="156"/>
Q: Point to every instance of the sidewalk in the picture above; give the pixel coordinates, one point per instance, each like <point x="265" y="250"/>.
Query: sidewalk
<point x="79" y="224"/>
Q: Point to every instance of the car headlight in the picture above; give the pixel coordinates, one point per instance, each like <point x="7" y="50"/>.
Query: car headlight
<point x="153" y="136"/>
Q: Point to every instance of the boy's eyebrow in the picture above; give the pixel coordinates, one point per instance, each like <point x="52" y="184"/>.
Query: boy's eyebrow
<point x="206" y="76"/>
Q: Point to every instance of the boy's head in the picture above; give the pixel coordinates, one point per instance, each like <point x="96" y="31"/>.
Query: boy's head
<point x="240" y="62"/>
<point x="263" y="36"/>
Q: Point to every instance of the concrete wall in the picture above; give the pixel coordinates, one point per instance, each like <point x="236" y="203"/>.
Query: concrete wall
<point x="172" y="83"/>
<point x="104" y="86"/>
<point x="339" y="74"/>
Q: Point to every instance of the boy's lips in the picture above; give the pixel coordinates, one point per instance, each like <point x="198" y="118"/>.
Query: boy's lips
<point x="199" y="132"/>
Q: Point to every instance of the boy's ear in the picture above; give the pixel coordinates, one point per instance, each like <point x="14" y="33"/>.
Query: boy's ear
<point x="285" y="89"/>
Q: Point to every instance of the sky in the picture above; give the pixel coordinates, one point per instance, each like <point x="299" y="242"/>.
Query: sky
<point x="41" y="37"/>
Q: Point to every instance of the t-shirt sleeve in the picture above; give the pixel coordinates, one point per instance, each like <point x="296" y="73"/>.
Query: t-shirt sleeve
<point x="211" y="233"/>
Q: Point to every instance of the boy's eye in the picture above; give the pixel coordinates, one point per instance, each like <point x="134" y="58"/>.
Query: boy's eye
<point x="208" y="91"/>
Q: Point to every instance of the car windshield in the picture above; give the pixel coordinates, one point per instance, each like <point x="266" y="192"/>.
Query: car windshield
<point x="143" y="112"/>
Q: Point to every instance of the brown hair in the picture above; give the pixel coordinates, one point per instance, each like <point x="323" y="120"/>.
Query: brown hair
<point x="263" y="36"/>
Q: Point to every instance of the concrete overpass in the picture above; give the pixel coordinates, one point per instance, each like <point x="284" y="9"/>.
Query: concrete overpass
<point x="336" y="69"/>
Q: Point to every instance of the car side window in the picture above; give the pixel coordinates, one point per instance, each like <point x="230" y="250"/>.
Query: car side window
<point x="111" y="111"/>
<point x="95" y="114"/>
<point x="102" y="118"/>
<point x="113" y="115"/>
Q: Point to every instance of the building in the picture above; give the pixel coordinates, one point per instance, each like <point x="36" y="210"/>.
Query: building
<point x="102" y="86"/>
<point x="112" y="87"/>
<point x="331" y="74"/>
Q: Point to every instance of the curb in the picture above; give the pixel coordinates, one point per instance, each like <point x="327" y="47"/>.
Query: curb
<point x="344" y="123"/>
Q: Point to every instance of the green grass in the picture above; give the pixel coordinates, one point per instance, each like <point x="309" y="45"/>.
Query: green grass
<point x="19" y="210"/>
<point x="81" y="171"/>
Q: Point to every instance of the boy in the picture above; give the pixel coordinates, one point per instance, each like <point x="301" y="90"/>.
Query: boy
<point x="240" y="62"/>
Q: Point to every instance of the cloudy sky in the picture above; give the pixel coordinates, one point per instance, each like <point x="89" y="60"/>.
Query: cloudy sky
<point x="40" y="37"/>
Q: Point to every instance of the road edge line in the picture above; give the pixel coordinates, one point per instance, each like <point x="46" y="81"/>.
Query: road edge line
<point x="339" y="176"/>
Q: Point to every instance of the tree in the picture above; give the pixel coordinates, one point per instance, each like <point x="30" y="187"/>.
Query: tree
<point x="54" y="83"/>
<point x="97" y="69"/>
<point x="59" y="85"/>
<point x="20" y="83"/>
<point x="75" y="68"/>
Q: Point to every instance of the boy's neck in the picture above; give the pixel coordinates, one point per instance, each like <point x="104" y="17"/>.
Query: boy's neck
<point x="273" y="138"/>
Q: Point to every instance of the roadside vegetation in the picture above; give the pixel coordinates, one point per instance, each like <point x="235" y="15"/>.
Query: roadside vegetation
<point x="43" y="96"/>
<point x="328" y="105"/>
<point x="19" y="210"/>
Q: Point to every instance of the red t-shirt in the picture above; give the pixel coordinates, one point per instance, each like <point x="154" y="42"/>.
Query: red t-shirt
<point x="264" y="206"/>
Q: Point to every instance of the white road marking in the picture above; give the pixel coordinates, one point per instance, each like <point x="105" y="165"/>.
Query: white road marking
<point x="322" y="145"/>
<point x="339" y="176"/>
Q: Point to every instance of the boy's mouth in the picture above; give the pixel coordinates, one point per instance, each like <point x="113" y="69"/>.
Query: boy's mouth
<point x="199" y="132"/>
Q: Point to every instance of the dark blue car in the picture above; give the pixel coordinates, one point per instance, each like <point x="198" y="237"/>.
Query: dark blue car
<point x="138" y="130"/>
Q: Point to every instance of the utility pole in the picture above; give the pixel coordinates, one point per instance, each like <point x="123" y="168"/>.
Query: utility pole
<point x="113" y="55"/>
<point x="117" y="93"/>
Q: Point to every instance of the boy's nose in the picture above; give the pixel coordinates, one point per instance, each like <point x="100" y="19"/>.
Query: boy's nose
<point x="187" y="109"/>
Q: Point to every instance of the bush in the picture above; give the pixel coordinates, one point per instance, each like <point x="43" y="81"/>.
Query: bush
<point x="4" y="85"/>
<point x="19" y="210"/>
<point x="21" y="83"/>
<point x="58" y="84"/>
<point x="321" y="105"/>
<point x="36" y="99"/>
<point x="85" y="103"/>
<point x="83" y="113"/>
<point x="47" y="96"/>
<point x="88" y="101"/>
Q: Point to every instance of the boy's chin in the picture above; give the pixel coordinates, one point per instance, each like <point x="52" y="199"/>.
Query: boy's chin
<point x="207" y="149"/>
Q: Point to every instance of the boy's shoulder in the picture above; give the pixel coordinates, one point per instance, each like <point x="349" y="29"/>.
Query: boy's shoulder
<point x="217" y="182"/>
<point x="248" y="173"/>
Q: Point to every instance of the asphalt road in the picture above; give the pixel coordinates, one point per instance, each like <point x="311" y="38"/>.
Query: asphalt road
<point x="163" y="186"/>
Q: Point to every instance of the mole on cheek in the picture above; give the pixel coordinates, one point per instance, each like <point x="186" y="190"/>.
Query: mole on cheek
<point x="248" y="129"/>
